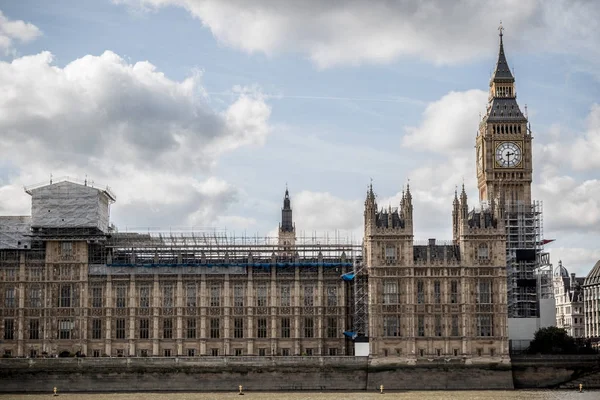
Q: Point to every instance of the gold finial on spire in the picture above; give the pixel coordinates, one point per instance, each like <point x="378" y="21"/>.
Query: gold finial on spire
<point x="501" y="29"/>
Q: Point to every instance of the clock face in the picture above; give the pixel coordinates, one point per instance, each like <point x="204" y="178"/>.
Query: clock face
<point x="479" y="158"/>
<point x="508" y="154"/>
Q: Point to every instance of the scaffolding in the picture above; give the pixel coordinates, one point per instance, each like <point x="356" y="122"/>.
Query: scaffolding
<point x="219" y="249"/>
<point x="524" y="233"/>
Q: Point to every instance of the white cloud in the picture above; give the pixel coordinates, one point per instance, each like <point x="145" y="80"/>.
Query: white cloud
<point x="570" y="205"/>
<point x="324" y="212"/>
<point x="151" y="138"/>
<point x="15" y="29"/>
<point x="378" y="32"/>
<point x="578" y="260"/>
<point x="585" y="150"/>
<point x="449" y="124"/>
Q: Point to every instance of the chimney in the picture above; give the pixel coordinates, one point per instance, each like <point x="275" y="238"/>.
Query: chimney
<point x="572" y="281"/>
<point x="432" y="242"/>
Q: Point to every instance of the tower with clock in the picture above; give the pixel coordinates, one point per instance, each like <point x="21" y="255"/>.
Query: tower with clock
<point x="503" y="144"/>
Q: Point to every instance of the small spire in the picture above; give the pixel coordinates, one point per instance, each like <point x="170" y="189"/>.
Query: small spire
<point x="502" y="71"/>
<point x="463" y="195"/>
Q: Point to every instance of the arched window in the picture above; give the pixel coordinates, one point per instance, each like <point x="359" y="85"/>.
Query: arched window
<point x="483" y="252"/>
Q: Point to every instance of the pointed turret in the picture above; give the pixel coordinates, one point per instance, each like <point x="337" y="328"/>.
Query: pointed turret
<point x="455" y="216"/>
<point x="287" y="224"/>
<point x="502" y="72"/>
<point x="464" y="207"/>
<point x="287" y="230"/>
<point x="370" y="207"/>
<point x="408" y="207"/>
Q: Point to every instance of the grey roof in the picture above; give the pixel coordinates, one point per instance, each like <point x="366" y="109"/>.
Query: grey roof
<point x="502" y="72"/>
<point x="561" y="270"/>
<point x="382" y="219"/>
<point x="14" y="232"/>
<point x="505" y="109"/>
<point x="594" y="275"/>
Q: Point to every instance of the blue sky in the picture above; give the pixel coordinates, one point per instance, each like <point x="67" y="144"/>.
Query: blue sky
<point x="197" y="113"/>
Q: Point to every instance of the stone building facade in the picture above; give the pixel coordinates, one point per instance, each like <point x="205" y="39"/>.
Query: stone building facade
<point x="568" y="296"/>
<point x="72" y="283"/>
<point x="591" y="307"/>
<point x="100" y="292"/>
<point x="436" y="300"/>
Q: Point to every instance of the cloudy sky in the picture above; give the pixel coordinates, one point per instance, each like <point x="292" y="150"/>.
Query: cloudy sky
<point x="198" y="112"/>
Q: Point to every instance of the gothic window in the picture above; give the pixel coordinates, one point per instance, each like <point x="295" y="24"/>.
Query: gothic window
<point x="285" y="327"/>
<point x="96" y="297"/>
<point x="420" y="325"/>
<point x="454" y="292"/>
<point x="238" y="295"/>
<point x="191" y="295"/>
<point x="167" y="328"/>
<point x="191" y="328"/>
<point x="261" y="295"/>
<point x="66" y="249"/>
<point x="238" y="328"/>
<point x="215" y="296"/>
<point x="9" y="329"/>
<point x="9" y="299"/>
<point x="332" y="328"/>
<point x="215" y="328"/>
<point x="420" y="292"/>
<point x="285" y="296"/>
<point x="309" y="326"/>
<point x="484" y="324"/>
<point x="34" y="329"/>
<point x="483" y="252"/>
<point x="261" y="328"/>
<point x="390" y="292"/>
<point x="65" y="296"/>
<point x="144" y="328"/>
<point x="168" y="296"/>
<point x="309" y="296"/>
<point x="332" y="296"/>
<point x="120" y="328"/>
<point x="144" y="297"/>
<point x="438" y="325"/>
<point x="454" y="326"/>
<point x="484" y="291"/>
<point x="121" y="300"/>
<point x="391" y="326"/>
<point x="390" y="253"/>
<point x="96" y="328"/>
<point x="437" y="292"/>
<point x="65" y="326"/>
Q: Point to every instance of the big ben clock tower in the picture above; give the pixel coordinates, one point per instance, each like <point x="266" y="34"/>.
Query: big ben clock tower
<point x="503" y="145"/>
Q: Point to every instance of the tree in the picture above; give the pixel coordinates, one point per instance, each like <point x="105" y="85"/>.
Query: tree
<point x="552" y="340"/>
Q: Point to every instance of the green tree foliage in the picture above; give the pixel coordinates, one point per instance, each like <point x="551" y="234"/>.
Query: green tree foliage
<point x="553" y="340"/>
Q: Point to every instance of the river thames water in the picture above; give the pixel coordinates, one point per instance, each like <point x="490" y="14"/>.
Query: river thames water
<point x="412" y="395"/>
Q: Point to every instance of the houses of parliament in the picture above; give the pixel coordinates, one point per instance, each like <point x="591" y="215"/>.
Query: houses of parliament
<point x="71" y="283"/>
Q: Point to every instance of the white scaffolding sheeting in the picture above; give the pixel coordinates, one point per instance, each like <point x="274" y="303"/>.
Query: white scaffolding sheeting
<point x="70" y="205"/>
<point x="14" y="232"/>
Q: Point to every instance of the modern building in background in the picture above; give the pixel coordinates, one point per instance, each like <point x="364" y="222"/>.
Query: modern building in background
<point x="568" y="294"/>
<point x="591" y="307"/>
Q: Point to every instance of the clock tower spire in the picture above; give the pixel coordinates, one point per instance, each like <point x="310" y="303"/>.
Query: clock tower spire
<point x="503" y="143"/>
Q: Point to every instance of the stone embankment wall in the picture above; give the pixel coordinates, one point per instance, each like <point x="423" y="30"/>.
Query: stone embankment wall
<point x="291" y="373"/>
<point x="254" y="373"/>
<point x="183" y="374"/>
<point x="565" y="372"/>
